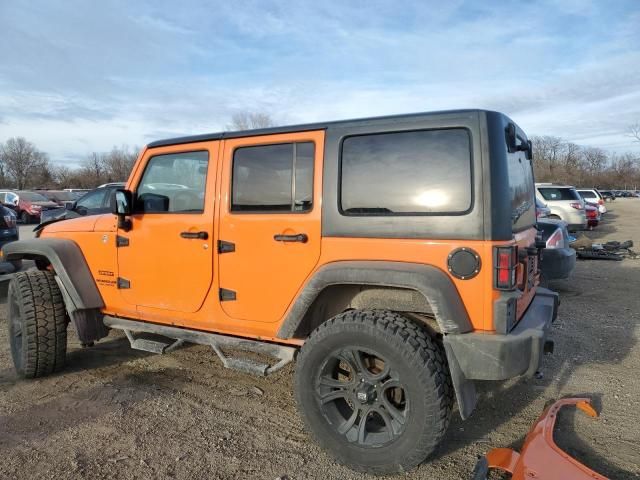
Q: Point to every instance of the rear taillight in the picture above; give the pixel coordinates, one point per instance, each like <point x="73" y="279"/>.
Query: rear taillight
<point x="10" y="220"/>
<point x="555" y="240"/>
<point x="576" y="205"/>
<point x="506" y="262"/>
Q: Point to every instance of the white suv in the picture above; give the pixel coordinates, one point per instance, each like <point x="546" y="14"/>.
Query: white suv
<point x="565" y="204"/>
<point x="591" y="195"/>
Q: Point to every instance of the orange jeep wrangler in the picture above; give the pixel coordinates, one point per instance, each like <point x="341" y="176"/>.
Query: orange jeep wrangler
<point x="395" y="257"/>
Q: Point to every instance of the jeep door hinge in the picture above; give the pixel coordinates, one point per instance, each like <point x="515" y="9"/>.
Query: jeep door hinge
<point x="226" y="247"/>
<point x="121" y="241"/>
<point x="227" y="295"/>
<point x="123" y="283"/>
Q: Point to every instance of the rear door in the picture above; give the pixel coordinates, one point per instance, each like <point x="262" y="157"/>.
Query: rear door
<point x="165" y="260"/>
<point x="269" y="222"/>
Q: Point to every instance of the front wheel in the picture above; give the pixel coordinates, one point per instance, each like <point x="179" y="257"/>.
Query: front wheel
<point x="375" y="391"/>
<point x="37" y="324"/>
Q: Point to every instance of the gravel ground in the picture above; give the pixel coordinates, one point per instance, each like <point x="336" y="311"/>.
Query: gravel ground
<point x="118" y="413"/>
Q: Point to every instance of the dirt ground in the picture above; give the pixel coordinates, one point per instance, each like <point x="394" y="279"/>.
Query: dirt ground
<point x="119" y="413"/>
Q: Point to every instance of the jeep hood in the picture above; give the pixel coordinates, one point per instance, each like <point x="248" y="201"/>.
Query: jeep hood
<point x="89" y="223"/>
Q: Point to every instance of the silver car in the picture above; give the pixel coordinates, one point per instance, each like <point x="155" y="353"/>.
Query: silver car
<point x="565" y="204"/>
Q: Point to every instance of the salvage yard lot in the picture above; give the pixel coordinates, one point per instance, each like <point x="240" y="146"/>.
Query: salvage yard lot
<point x="119" y="413"/>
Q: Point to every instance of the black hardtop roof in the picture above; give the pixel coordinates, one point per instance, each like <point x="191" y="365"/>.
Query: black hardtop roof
<point x="307" y="127"/>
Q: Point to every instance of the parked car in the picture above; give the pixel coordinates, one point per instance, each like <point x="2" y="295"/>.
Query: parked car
<point x="60" y="197"/>
<point x="81" y="191"/>
<point x="9" y="233"/>
<point x="593" y="216"/>
<point x="591" y="195"/>
<point x="565" y="204"/>
<point x="542" y="211"/>
<point x="27" y="205"/>
<point x="607" y="195"/>
<point x="558" y="259"/>
<point x="94" y="202"/>
<point x="403" y="240"/>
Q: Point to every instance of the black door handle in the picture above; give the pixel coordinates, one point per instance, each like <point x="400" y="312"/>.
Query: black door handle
<point x="299" y="237"/>
<point x="196" y="235"/>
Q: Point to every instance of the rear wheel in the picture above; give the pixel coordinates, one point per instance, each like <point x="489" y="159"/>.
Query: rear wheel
<point x="25" y="218"/>
<point x="37" y="324"/>
<point x="375" y="391"/>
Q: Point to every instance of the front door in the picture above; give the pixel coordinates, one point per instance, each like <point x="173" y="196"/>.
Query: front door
<point x="166" y="259"/>
<point x="270" y="212"/>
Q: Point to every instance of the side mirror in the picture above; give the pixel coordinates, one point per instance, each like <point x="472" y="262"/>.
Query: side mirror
<point x="121" y="202"/>
<point x="70" y="205"/>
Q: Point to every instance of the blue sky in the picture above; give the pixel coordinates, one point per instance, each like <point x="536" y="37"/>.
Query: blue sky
<point x="78" y="76"/>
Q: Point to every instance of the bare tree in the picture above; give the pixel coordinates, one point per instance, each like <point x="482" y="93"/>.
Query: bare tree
<point x="23" y="163"/>
<point x="118" y="163"/>
<point x="634" y="131"/>
<point x="547" y="154"/>
<point x="64" y="176"/>
<point x="250" y="120"/>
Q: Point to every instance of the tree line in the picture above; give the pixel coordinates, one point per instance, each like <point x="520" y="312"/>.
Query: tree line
<point x="559" y="161"/>
<point x="556" y="160"/>
<point x="24" y="166"/>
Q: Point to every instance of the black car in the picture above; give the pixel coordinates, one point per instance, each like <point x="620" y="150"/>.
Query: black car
<point x="608" y="195"/>
<point x="558" y="259"/>
<point x="94" y="202"/>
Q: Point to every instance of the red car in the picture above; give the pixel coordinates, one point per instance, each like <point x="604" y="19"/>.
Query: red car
<point x="593" y="216"/>
<point x="27" y="205"/>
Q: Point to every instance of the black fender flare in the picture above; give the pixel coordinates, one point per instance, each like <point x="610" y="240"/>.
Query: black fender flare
<point x="434" y="284"/>
<point x="79" y="288"/>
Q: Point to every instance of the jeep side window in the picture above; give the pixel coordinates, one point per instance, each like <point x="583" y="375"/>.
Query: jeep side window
<point x="418" y="172"/>
<point x="173" y="183"/>
<point x="273" y="178"/>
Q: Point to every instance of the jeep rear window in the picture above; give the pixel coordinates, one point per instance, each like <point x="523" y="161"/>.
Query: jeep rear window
<point x="273" y="178"/>
<point x="552" y="193"/>
<point x="406" y="173"/>
<point x="521" y="187"/>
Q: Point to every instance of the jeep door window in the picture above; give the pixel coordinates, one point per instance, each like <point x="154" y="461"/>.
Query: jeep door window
<point x="273" y="178"/>
<point x="173" y="183"/>
<point x="404" y="173"/>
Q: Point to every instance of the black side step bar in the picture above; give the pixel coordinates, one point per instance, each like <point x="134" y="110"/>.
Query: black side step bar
<point x="282" y="353"/>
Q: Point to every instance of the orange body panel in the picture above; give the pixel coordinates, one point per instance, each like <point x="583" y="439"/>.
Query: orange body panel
<point x="541" y="457"/>
<point x="175" y="281"/>
<point x="264" y="273"/>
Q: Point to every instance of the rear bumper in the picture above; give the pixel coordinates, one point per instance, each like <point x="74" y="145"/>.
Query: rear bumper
<point x="557" y="263"/>
<point x="487" y="356"/>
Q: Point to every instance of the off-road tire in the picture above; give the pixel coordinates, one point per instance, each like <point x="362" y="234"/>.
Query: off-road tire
<point x="37" y="324"/>
<point x="420" y="366"/>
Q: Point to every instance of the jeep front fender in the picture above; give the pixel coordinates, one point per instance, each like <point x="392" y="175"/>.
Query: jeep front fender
<point x="68" y="262"/>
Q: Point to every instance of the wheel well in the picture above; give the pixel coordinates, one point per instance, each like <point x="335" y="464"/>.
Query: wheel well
<point x="335" y="299"/>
